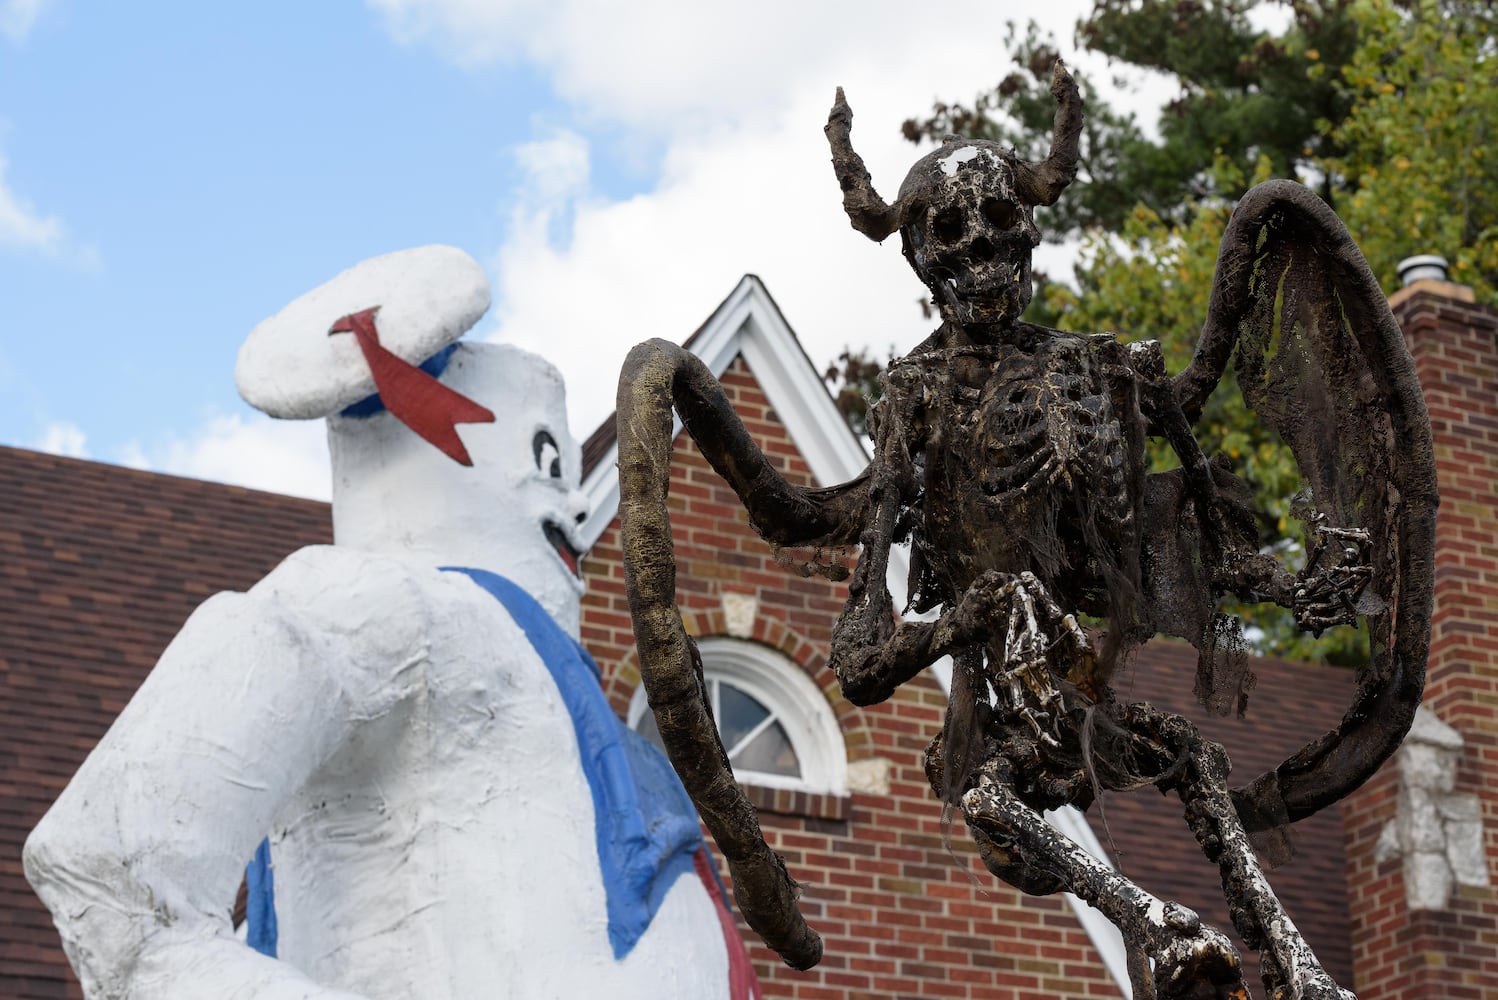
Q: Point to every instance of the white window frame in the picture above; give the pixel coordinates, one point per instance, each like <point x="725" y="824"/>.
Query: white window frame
<point x="783" y="688"/>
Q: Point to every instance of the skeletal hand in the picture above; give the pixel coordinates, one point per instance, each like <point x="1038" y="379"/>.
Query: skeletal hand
<point x="981" y="612"/>
<point x="1327" y="595"/>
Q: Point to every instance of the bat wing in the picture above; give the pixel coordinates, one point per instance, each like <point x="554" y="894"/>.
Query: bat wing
<point x="1321" y="360"/>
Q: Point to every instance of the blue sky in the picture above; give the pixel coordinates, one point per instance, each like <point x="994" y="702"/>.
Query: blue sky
<point x="202" y="168"/>
<point x="172" y="173"/>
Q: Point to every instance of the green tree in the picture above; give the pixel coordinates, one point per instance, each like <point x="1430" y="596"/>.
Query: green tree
<point x="1245" y="95"/>
<point x="853" y="380"/>
<point x="1419" y="146"/>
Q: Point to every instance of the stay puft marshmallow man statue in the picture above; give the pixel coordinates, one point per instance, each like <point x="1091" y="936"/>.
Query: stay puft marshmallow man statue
<point x="403" y="721"/>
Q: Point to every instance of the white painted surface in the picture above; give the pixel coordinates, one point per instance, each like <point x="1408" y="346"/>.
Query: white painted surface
<point x="394" y="492"/>
<point x="390" y="726"/>
<point x="428" y="297"/>
<point x="959" y="156"/>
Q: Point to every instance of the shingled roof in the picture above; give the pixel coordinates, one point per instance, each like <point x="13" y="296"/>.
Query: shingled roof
<point x="99" y="568"/>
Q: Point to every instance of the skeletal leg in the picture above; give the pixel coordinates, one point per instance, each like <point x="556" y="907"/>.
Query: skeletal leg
<point x="1290" y="968"/>
<point x="1191" y="959"/>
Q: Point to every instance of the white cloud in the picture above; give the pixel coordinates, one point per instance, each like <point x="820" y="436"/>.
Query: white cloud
<point x="674" y="65"/>
<point x="20" y="225"/>
<point x="17" y="17"/>
<point x="737" y="96"/>
<point x="554" y="180"/>
<point x="64" y="438"/>
<point x="756" y="196"/>
<point x="555" y="168"/>
<point x="281" y="456"/>
<point x="657" y="264"/>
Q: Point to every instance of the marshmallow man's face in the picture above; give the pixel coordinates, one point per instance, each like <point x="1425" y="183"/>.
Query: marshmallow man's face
<point x="516" y="511"/>
<point x="529" y="466"/>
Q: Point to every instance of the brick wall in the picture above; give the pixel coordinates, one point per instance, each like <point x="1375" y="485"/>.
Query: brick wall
<point x="1450" y="952"/>
<point x="901" y="916"/>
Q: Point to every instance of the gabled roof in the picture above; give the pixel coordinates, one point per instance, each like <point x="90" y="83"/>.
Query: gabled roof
<point x="748" y="323"/>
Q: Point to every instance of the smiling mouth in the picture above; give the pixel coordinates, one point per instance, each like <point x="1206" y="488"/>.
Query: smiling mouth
<point x="565" y="552"/>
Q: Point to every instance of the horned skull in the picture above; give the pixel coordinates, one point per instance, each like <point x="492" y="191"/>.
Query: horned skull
<point x="968" y="234"/>
<point x="966" y="213"/>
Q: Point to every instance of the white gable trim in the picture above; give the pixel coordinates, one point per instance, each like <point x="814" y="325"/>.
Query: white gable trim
<point x="749" y="323"/>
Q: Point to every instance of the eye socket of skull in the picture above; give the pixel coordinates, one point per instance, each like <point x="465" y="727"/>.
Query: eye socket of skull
<point x="948" y="224"/>
<point x="1002" y="215"/>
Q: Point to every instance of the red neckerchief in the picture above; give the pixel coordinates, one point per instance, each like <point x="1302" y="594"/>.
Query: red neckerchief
<point x="416" y="399"/>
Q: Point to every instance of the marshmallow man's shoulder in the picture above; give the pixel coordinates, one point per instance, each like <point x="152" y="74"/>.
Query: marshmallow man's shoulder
<point x="258" y="689"/>
<point x="384" y="618"/>
<point x="374" y="613"/>
<point x="344" y="591"/>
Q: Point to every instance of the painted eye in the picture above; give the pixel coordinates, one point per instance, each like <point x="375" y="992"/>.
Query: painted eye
<point x="548" y="455"/>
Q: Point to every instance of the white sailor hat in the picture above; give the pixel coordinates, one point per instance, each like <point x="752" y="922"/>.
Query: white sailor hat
<point x="401" y="309"/>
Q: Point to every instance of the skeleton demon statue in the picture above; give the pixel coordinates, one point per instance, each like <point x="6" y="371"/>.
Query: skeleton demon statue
<point x="1011" y="459"/>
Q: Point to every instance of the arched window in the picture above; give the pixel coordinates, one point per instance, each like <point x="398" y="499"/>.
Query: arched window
<point x="777" y="727"/>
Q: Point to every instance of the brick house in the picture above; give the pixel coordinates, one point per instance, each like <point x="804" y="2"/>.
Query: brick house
<point x="1421" y="848"/>
<point x="100" y="565"/>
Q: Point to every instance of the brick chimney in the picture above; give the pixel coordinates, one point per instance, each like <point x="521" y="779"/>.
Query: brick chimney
<point x="1422" y="836"/>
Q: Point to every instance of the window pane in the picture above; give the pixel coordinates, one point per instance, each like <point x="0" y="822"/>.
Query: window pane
<point x="742" y="719"/>
<point x="738" y="714"/>
<point x="769" y="753"/>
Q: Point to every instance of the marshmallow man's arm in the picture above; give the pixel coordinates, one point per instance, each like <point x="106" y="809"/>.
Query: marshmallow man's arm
<point x="140" y="857"/>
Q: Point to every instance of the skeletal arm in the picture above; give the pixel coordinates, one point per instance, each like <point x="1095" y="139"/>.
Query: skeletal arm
<point x="139" y="859"/>
<point x="872" y="655"/>
<point x="1320" y="595"/>
<point x="658" y="375"/>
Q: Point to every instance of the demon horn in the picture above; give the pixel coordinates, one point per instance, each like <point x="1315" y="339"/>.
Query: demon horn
<point x="866" y="210"/>
<point x="1042" y="183"/>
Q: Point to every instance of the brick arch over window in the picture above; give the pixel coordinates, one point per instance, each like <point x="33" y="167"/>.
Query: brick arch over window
<point x="851" y="720"/>
<point x="793" y="703"/>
